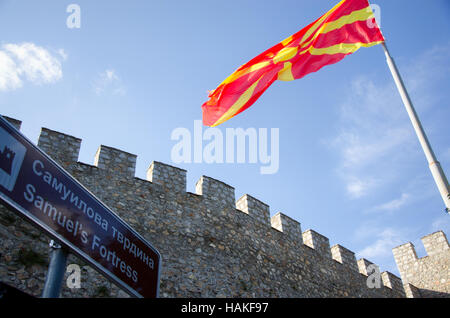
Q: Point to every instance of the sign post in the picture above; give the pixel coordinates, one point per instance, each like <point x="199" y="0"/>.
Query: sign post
<point x="55" y="273"/>
<point x="41" y="191"/>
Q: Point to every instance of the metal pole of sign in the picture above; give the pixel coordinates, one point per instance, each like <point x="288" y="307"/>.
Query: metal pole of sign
<point x="56" y="270"/>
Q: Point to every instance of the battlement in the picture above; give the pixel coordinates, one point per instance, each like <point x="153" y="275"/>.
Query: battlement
<point x="366" y="267"/>
<point x="210" y="229"/>
<point x="405" y="254"/>
<point x="415" y="272"/>
<point x="318" y="242"/>
<point x="344" y="256"/>
<point x="16" y="123"/>
<point x="392" y="281"/>
<point x="115" y="160"/>
<point x="254" y="208"/>
<point x="435" y="243"/>
<point x="169" y="177"/>
<point x="62" y="148"/>
<point x="288" y="226"/>
<point x="216" y="190"/>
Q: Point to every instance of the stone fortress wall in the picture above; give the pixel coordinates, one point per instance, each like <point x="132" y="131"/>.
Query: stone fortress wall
<point x="211" y="245"/>
<point x="428" y="276"/>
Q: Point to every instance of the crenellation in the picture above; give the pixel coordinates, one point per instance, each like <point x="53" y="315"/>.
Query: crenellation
<point x="16" y="123"/>
<point x="63" y="148"/>
<point x="255" y="208"/>
<point x="288" y="226"/>
<point x="204" y="239"/>
<point x="428" y="276"/>
<point x="216" y="190"/>
<point x="435" y="243"/>
<point x="366" y="267"/>
<point x="115" y="160"/>
<point x="393" y="282"/>
<point x="169" y="177"/>
<point x="404" y="255"/>
<point x="344" y="256"/>
<point x="318" y="242"/>
<point x="411" y="291"/>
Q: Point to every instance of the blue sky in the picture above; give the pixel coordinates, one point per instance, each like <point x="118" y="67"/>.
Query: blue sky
<point x="350" y="166"/>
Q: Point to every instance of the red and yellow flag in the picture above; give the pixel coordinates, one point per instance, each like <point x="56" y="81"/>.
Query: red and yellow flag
<point x="339" y="32"/>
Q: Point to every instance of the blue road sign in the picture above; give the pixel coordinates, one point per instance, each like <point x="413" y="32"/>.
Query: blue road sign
<point x="40" y="190"/>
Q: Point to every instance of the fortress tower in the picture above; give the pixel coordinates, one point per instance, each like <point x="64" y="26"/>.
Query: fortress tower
<point x="428" y="276"/>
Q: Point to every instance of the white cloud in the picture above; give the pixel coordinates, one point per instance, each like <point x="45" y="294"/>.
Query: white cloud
<point x="358" y="187"/>
<point x="9" y="74"/>
<point x="108" y="82"/>
<point x="364" y="149"/>
<point x="429" y="68"/>
<point x="419" y="188"/>
<point x="371" y="135"/>
<point x="36" y="63"/>
<point x="387" y="239"/>
<point x="110" y="75"/>
<point x="374" y="132"/>
<point x="27" y="61"/>
<point x="63" y="54"/>
<point x="394" y="204"/>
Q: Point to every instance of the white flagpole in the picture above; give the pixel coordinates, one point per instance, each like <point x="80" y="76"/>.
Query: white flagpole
<point x="435" y="167"/>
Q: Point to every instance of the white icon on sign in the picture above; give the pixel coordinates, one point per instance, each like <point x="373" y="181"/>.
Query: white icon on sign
<point x="12" y="153"/>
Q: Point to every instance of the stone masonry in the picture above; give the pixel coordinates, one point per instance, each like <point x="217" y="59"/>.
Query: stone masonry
<point x="429" y="275"/>
<point x="211" y="245"/>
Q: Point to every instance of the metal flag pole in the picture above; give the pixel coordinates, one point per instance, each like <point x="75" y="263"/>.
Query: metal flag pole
<point x="435" y="166"/>
<point x="56" y="270"/>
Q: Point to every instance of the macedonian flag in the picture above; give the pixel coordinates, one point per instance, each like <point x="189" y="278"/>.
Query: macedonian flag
<point x="339" y="32"/>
